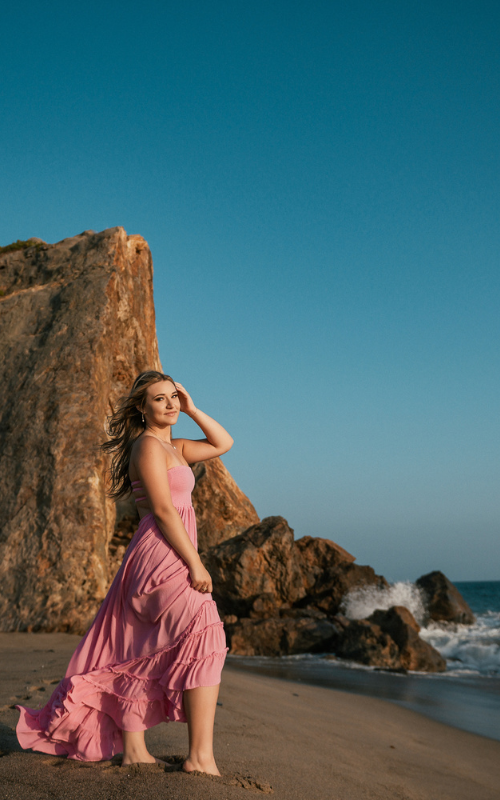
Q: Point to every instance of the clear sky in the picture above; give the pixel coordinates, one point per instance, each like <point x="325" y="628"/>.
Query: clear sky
<point x="319" y="185"/>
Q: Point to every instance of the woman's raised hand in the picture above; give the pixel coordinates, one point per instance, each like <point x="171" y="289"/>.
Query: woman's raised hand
<point x="200" y="578"/>
<point x="187" y="405"/>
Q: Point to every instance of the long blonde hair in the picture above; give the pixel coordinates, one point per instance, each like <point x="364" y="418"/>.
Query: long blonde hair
<point x="123" y="428"/>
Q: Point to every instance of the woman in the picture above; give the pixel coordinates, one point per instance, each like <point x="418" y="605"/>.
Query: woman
<point x="156" y="648"/>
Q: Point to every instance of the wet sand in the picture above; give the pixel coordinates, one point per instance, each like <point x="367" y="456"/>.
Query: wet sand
<point x="306" y="742"/>
<point x="469" y="702"/>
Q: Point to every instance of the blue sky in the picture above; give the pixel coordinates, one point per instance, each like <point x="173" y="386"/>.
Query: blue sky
<point x="319" y="185"/>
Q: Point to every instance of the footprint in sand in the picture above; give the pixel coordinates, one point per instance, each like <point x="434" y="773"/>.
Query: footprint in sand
<point x="170" y="764"/>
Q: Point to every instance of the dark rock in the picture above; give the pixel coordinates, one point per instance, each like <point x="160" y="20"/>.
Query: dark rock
<point x="366" y="643"/>
<point x="443" y="601"/>
<point x="387" y="639"/>
<point x="328" y="574"/>
<point x="278" y="636"/>
<point x="414" y="653"/>
<point x="299" y="613"/>
<point x="263" y="606"/>
<point x="256" y="572"/>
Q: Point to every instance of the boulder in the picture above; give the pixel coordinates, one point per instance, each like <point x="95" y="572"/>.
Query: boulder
<point x="222" y="510"/>
<point x="443" y="601"/>
<point x="280" y="636"/>
<point x="328" y="574"/>
<point x="366" y="643"/>
<point x="387" y="639"/>
<point x="414" y="653"/>
<point x="256" y="572"/>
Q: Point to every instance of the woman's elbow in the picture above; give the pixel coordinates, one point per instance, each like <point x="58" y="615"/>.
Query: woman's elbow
<point x="229" y="444"/>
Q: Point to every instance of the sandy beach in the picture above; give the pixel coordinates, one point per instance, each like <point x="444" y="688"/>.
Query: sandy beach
<point x="291" y="741"/>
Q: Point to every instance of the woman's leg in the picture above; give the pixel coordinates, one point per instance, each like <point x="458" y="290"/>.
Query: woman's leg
<point x="135" y="750"/>
<point x="200" y="705"/>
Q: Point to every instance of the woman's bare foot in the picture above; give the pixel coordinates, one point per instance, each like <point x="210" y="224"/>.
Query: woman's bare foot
<point x="206" y="765"/>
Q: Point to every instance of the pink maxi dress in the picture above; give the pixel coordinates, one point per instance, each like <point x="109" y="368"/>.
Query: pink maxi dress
<point x="153" y="637"/>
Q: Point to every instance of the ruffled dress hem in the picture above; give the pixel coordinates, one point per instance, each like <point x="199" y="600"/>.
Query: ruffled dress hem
<point x="87" y="713"/>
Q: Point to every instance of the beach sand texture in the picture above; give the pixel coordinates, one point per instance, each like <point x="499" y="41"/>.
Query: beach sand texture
<point x="306" y="742"/>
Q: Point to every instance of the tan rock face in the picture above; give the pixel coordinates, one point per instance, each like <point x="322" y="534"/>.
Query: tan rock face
<point x="256" y="571"/>
<point x="76" y="325"/>
<point x="222" y="510"/>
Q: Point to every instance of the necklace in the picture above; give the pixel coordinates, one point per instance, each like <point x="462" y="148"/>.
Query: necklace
<point x="164" y="441"/>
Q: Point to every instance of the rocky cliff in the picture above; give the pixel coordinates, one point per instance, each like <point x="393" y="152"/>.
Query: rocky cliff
<point x="77" y="324"/>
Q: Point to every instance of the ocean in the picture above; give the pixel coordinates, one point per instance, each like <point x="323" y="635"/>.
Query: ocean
<point x="466" y="696"/>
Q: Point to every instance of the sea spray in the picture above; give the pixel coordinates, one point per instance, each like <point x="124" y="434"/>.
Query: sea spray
<point x="467" y="648"/>
<point x="360" y="603"/>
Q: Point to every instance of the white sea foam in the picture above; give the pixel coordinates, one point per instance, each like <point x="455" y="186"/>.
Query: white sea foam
<point x="468" y="648"/>
<point x="360" y="603"/>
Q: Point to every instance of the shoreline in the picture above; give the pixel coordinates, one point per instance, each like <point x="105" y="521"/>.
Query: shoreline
<point x="305" y="741"/>
<point x="467" y="703"/>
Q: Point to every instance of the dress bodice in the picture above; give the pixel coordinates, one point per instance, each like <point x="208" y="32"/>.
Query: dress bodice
<point x="181" y="482"/>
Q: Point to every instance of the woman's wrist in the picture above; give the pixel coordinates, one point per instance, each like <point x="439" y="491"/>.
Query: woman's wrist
<point x="193" y="413"/>
<point x="193" y="561"/>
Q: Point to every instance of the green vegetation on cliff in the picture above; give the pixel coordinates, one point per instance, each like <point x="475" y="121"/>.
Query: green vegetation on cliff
<point x="19" y="245"/>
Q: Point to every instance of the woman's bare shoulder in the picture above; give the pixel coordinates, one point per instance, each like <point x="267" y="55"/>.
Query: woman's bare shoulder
<point x="146" y="444"/>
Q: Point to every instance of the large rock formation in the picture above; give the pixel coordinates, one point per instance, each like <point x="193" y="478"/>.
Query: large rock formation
<point x="77" y="325"/>
<point x="263" y="571"/>
<point x="282" y="597"/>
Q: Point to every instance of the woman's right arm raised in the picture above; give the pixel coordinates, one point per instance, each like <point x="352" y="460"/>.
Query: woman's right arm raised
<point x="151" y="467"/>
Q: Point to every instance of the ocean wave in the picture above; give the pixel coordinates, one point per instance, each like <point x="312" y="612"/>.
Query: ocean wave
<point x="468" y="649"/>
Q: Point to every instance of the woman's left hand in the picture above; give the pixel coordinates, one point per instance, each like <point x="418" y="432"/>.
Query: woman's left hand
<point x="187" y="405"/>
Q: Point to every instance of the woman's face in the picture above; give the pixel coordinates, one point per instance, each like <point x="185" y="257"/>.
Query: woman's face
<point x="162" y="404"/>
